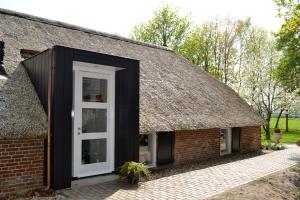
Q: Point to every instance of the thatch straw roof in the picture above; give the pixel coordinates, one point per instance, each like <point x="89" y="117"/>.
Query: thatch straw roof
<point x="174" y="94"/>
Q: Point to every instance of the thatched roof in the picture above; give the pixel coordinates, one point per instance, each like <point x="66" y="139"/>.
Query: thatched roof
<point x="174" y="94"/>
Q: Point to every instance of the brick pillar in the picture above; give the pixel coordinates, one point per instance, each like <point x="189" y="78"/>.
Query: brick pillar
<point x="250" y="139"/>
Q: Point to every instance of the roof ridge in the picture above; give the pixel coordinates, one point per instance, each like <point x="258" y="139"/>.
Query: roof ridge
<point x="78" y="28"/>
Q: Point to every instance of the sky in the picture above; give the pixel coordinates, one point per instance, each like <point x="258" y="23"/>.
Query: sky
<point x="120" y="16"/>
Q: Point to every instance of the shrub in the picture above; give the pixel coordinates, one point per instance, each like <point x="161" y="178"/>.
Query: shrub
<point x="268" y="145"/>
<point x="134" y="171"/>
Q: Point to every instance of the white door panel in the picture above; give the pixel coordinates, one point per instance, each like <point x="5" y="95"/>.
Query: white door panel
<point x="93" y="131"/>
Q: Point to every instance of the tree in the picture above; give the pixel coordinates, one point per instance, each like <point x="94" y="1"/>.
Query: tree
<point x="260" y="88"/>
<point x="214" y="46"/>
<point x="198" y="46"/>
<point x="288" y="104"/>
<point x="167" y="28"/>
<point x="288" y="41"/>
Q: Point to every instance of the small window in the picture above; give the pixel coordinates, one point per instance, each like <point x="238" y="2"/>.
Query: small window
<point x="148" y="149"/>
<point x="225" y="141"/>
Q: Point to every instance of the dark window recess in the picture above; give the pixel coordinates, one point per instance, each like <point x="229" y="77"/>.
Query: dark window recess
<point x="236" y="138"/>
<point x="165" y="148"/>
<point x="2" y="70"/>
<point x="27" y="53"/>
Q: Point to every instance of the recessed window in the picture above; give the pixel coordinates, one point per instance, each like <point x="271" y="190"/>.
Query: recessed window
<point x="225" y="141"/>
<point x="148" y="149"/>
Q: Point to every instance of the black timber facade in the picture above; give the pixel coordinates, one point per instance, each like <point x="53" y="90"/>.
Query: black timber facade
<point x="57" y="64"/>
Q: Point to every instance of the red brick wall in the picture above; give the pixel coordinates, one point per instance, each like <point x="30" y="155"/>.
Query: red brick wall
<point x="191" y="146"/>
<point x="250" y="139"/>
<point x="21" y="165"/>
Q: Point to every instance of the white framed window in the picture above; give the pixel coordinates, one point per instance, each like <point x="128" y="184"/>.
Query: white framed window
<point x="225" y="141"/>
<point x="147" y="149"/>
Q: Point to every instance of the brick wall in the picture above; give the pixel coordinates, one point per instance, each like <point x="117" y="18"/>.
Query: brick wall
<point x="21" y="165"/>
<point x="191" y="146"/>
<point x="250" y="139"/>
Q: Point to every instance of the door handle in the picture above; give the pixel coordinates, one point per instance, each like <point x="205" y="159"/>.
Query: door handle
<point x="79" y="130"/>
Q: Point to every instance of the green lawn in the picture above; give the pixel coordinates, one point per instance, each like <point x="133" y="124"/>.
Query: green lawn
<point x="287" y="137"/>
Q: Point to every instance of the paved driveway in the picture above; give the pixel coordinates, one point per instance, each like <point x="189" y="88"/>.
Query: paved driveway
<point x="197" y="184"/>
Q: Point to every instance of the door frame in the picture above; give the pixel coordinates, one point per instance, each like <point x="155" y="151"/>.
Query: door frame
<point x="81" y="70"/>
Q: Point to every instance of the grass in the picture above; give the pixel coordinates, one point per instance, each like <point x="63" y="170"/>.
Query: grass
<point x="290" y="137"/>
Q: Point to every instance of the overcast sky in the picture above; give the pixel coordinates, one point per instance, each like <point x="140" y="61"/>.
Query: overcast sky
<point x="119" y="16"/>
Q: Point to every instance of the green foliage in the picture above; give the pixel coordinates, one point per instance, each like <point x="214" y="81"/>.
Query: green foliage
<point x="296" y="169"/>
<point x="214" y="46"/>
<point x="288" y="41"/>
<point x="166" y="28"/>
<point x="268" y="145"/>
<point x="290" y="137"/>
<point x="139" y="170"/>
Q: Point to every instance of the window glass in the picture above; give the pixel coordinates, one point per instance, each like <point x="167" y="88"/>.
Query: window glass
<point x="224" y="140"/>
<point x="94" y="120"/>
<point x="147" y="149"/>
<point x="94" y="90"/>
<point x="93" y="151"/>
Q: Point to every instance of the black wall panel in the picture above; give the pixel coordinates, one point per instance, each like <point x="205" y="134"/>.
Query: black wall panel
<point x="37" y="70"/>
<point x="61" y="119"/>
<point x="165" y="147"/>
<point x="236" y="138"/>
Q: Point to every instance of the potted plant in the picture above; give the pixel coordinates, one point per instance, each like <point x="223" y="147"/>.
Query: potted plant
<point x="134" y="171"/>
<point x="277" y="134"/>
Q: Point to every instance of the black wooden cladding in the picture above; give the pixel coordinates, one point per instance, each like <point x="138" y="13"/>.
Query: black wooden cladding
<point x="236" y="139"/>
<point x="165" y="147"/>
<point x="37" y="70"/>
<point x="61" y="119"/>
<point x="126" y="105"/>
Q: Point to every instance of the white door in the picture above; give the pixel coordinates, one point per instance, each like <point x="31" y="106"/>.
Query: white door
<point x="93" y="141"/>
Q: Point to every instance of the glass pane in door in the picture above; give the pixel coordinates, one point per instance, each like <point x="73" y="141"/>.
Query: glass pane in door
<point x="94" y="90"/>
<point x="94" y="120"/>
<point x="93" y="151"/>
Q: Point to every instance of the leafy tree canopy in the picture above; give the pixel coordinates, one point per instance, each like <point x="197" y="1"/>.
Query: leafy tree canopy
<point x="288" y="41"/>
<point x="167" y="28"/>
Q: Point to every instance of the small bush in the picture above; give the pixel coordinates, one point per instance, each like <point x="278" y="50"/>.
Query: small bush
<point x="272" y="146"/>
<point x="296" y="169"/>
<point x="134" y="171"/>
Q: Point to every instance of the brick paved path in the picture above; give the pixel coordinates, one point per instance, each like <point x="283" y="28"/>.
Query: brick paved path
<point x="197" y="184"/>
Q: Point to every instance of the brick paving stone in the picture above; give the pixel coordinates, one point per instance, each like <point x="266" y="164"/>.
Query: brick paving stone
<point x="197" y="184"/>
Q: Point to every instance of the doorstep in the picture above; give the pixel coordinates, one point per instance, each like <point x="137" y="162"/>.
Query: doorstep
<point x="93" y="180"/>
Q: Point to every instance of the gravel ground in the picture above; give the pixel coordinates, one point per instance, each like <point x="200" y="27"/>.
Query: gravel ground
<point x="281" y="185"/>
